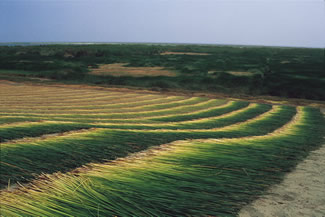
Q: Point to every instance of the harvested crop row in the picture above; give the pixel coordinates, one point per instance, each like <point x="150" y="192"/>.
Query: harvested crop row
<point x="17" y="91"/>
<point x="28" y="129"/>
<point x="166" y="102"/>
<point x="207" y="108"/>
<point x="55" y="97"/>
<point x="219" y="177"/>
<point x="112" y="104"/>
<point x="163" y="104"/>
<point x="106" y="98"/>
<point x="33" y="129"/>
<point x="58" y="94"/>
<point x="71" y="151"/>
<point x="240" y="115"/>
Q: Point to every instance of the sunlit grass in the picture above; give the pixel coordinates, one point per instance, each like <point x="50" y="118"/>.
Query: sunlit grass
<point x="146" y="154"/>
<point x="212" y="177"/>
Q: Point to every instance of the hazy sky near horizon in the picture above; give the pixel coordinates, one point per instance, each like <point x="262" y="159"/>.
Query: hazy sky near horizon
<point x="263" y="22"/>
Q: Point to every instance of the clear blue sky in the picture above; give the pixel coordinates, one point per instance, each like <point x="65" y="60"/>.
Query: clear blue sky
<point x="263" y="22"/>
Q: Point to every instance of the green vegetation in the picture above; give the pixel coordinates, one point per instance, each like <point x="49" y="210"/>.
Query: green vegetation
<point x="286" y="72"/>
<point x="97" y="152"/>
<point x="219" y="177"/>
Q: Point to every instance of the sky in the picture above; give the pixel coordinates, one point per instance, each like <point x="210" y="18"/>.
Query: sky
<point x="297" y="23"/>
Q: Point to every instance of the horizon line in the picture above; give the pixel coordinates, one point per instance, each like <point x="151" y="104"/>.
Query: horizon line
<point x="157" y="43"/>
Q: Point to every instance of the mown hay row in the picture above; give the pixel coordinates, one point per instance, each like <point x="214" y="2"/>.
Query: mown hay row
<point x="71" y="151"/>
<point x="206" y="108"/>
<point x="81" y="100"/>
<point x="240" y="115"/>
<point x="58" y="96"/>
<point x="117" y="103"/>
<point x="33" y="129"/>
<point x="165" y="103"/>
<point x="113" y="103"/>
<point x="219" y="177"/>
<point x="18" y="91"/>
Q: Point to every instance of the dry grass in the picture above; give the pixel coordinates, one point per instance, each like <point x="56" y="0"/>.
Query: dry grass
<point x="119" y="69"/>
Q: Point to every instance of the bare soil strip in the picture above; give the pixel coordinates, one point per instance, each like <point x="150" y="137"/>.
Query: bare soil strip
<point x="302" y="193"/>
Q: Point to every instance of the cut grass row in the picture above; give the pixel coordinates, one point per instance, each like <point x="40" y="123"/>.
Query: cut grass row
<point x="104" y="105"/>
<point x="166" y="103"/>
<point x="196" y="178"/>
<point x="65" y="96"/>
<point x="207" y="108"/>
<point x="237" y="116"/>
<point x="33" y="129"/>
<point x="20" y="91"/>
<point x="22" y="161"/>
<point x="107" y="99"/>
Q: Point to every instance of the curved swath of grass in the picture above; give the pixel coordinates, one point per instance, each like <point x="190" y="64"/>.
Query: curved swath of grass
<point x="33" y="129"/>
<point x="14" y="119"/>
<point x="91" y="108"/>
<point x="22" y="161"/>
<point x="76" y="98"/>
<point x="29" y="99"/>
<point x="104" y="104"/>
<point x="165" y="103"/>
<point x="115" y="102"/>
<point x="64" y="97"/>
<point x="36" y="91"/>
<point x="240" y="115"/>
<point x="106" y="98"/>
<point x="141" y="114"/>
<point x="218" y="176"/>
<point x="198" y="108"/>
<point x="203" y="114"/>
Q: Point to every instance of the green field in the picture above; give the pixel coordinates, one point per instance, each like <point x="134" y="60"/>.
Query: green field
<point x="68" y="150"/>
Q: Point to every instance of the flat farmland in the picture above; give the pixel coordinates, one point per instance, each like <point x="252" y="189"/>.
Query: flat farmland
<point x="68" y="151"/>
